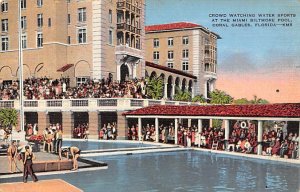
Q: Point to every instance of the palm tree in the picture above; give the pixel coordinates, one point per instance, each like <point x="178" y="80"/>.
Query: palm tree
<point x="257" y="100"/>
<point x="182" y="96"/>
<point x="220" y="97"/>
<point x="199" y="98"/>
<point x="155" y="87"/>
<point x="241" y="101"/>
<point x="8" y="118"/>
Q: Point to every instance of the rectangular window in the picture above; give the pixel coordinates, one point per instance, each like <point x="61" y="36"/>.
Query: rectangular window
<point x="170" y="54"/>
<point x="170" y="41"/>
<point x="24" y="41"/>
<point x="185" y="40"/>
<point x="49" y="22"/>
<point x="82" y="80"/>
<point x="170" y="65"/>
<point x="23" y="4"/>
<point x="39" y="3"/>
<point x="23" y="22"/>
<point x="185" y="66"/>
<point x="110" y="16"/>
<point x="39" y="40"/>
<point x="4" y="6"/>
<point x="4" y="25"/>
<point x="82" y="35"/>
<point x="69" y="18"/>
<point x="110" y="38"/>
<point x="69" y="39"/>
<point x="185" y="53"/>
<point x="40" y="20"/>
<point x="155" y="42"/>
<point x="4" y="43"/>
<point x="156" y="55"/>
<point x="82" y="14"/>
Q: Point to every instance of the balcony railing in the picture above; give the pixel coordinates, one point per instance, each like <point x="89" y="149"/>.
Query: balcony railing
<point x="136" y="103"/>
<point x="88" y="104"/>
<point x="128" y="6"/>
<point x="107" y="102"/>
<point x="7" y="104"/>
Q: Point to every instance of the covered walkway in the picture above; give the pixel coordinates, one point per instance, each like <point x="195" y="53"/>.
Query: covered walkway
<point x="259" y="113"/>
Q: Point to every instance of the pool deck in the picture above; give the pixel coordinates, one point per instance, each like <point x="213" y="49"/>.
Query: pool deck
<point x="45" y="186"/>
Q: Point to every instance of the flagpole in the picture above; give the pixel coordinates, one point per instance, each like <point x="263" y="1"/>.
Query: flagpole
<point x="20" y="59"/>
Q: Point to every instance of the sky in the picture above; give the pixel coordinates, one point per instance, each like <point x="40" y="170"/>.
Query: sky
<point x="262" y="61"/>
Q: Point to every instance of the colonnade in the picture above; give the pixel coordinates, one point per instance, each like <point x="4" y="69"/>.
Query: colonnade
<point x="200" y="129"/>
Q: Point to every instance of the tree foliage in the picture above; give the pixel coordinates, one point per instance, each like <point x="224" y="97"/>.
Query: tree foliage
<point x="182" y="95"/>
<point x="220" y="97"/>
<point x="199" y="98"/>
<point x="255" y="100"/>
<point x="8" y="117"/>
<point x="155" y="87"/>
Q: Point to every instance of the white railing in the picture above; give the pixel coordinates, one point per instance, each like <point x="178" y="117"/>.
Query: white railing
<point x="90" y="104"/>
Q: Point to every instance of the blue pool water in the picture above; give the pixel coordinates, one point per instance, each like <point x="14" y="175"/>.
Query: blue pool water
<point x="93" y="145"/>
<point x="185" y="171"/>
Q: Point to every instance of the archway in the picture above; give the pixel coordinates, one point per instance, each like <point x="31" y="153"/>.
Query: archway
<point x="6" y="73"/>
<point x="169" y="88"/>
<point x="146" y="74"/>
<point x="183" y="87"/>
<point x="124" y="72"/>
<point x="177" y="84"/>
<point x="190" y="86"/>
<point x="153" y="74"/>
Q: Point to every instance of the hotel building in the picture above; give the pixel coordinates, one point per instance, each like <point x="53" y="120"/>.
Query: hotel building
<point x="188" y="47"/>
<point x="81" y="39"/>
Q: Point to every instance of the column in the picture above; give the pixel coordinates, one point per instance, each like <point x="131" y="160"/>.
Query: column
<point x="93" y="124"/>
<point x="199" y="125"/>
<point x="199" y="131"/>
<point x="210" y="123"/>
<point x="226" y="133"/>
<point x="140" y="129"/>
<point x="173" y="90"/>
<point x="299" y="142"/>
<point x="259" y="138"/>
<point x="134" y="71"/>
<point x="193" y="92"/>
<point x="68" y="124"/>
<point x="119" y="71"/>
<point x="189" y="122"/>
<point x="176" y="131"/>
<point x="156" y="131"/>
<point x="121" y="125"/>
<point x="166" y="91"/>
<point x="43" y="121"/>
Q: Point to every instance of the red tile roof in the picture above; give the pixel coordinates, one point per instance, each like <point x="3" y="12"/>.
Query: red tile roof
<point x="65" y="67"/>
<point x="291" y="110"/>
<point x="164" y="68"/>
<point x="171" y="26"/>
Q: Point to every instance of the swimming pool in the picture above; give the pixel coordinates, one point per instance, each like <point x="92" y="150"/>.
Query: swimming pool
<point x="93" y="145"/>
<point x="185" y="171"/>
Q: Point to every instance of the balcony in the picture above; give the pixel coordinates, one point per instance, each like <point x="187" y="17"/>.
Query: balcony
<point x="102" y="104"/>
<point x="126" y="50"/>
<point x="128" y="27"/>
<point x="128" y="6"/>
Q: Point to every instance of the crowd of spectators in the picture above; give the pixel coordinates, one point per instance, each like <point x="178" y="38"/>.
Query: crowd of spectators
<point x="45" y="88"/>
<point x="81" y="131"/>
<point x="108" y="131"/>
<point x="241" y="139"/>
